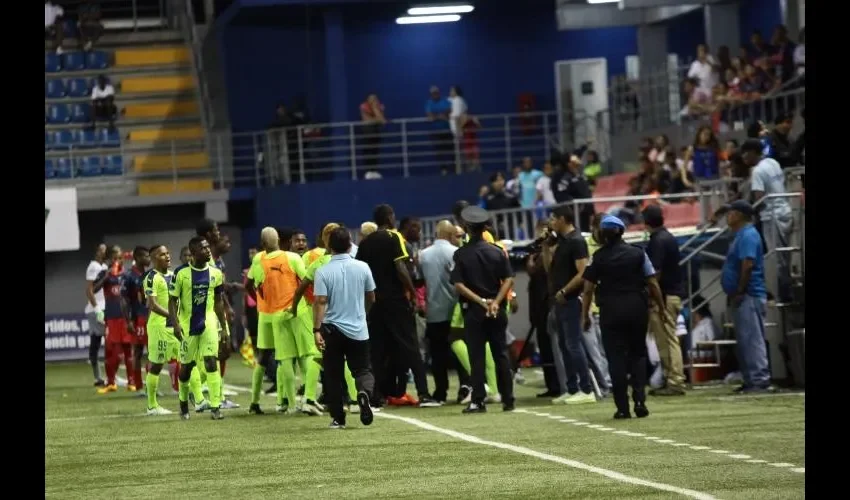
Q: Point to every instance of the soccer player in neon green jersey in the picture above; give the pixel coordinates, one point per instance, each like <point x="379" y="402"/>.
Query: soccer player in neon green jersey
<point x="196" y="309"/>
<point x="163" y="346"/>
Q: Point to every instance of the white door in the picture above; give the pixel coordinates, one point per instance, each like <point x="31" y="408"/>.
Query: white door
<point x="582" y="93"/>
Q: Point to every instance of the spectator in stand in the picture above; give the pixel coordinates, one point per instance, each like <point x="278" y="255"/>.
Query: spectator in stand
<point x="571" y="184"/>
<point x="800" y="54"/>
<point x="780" y="139"/>
<point x="103" y="102"/>
<point x="459" y="109"/>
<point x="374" y="121"/>
<point x="53" y="27"/>
<point x="698" y="99"/>
<point x="471" y="150"/>
<point x="527" y="179"/>
<point x="705" y="154"/>
<point x="544" y="186"/>
<point x="681" y="180"/>
<point x="658" y="152"/>
<point x="724" y="61"/>
<point x="783" y="54"/>
<point x="759" y="48"/>
<point x="89" y="24"/>
<point x="438" y="110"/>
<point x="592" y="167"/>
<point x="704" y="69"/>
<point x="498" y="198"/>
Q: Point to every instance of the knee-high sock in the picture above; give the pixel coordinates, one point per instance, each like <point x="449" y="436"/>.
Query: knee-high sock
<point x="311" y="377"/>
<point x="194" y="385"/>
<point x="257" y="383"/>
<point x="94" y="351"/>
<point x="151" y="385"/>
<point x="462" y="354"/>
<point x="128" y="363"/>
<point x="349" y="383"/>
<point x="286" y="382"/>
<point x="490" y="369"/>
<point x="113" y="357"/>
<point x="214" y="383"/>
<point x="137" y="369"/>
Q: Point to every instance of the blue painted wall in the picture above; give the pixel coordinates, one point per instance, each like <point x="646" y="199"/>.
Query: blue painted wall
<point x="684" y="33"/>
<point x="762" y="15"/>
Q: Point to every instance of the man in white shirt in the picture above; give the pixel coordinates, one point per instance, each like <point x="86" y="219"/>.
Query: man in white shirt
<point x="704" y="69"/>
<point x="95" y="275"/>
<point x="544" y="186"/>
<point x="103" y="101"/>
<point x="767" y="178"/>
<point x="53" y="17"/>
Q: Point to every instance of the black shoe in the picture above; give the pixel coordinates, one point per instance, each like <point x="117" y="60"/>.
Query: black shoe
<point x="99" y="383"/>
<point x="184" y="407"/>
<point x="184" y="416"/>
<point x="428" y="402"/>
<point x="366" y="415"/>
<point x="216" y="414"/>
<point x="549" y="394"/>
<point x="475" y="408"/>
<point x="508" y="406"/>
<point x="621" y="415"/>
<point x="337" y="425"/>
<point x="641" y="410"/>
<point x="463" y="393"/>
<point x="255" y="410"/>
<point x="322" y="400"/>
<point x="272" y="389"/>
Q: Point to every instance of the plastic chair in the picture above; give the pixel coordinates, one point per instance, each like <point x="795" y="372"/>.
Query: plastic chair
<point x="64" y="139"/>
<point x="48" y="140"/>
<point x="58" y="113"/>
<point x="77" y="87"/>
<point x="89" y="166"/>
<point x="54" y="89"/>
<point x="113" y="165"/>
<point x="73" y="61"/>
<point x="63" y="168"/>
<point x="71" y="30"/>
<point x="87" y="139"/>
<point x="49" y="170"/>
<point x="97" y="59"/>
<point x="52" y="63"/>
<point x="108" y="138"/>
<point x="80" y="113"/>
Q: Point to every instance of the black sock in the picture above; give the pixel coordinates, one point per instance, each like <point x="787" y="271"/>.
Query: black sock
<point x="94" y="351"/>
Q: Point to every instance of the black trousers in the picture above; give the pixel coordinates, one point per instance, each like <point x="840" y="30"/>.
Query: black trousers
<point x="338" y="349"/>
<point x="438" y="344"/>
<point x="393" y="341"/>
<point x="444" y="147"/>
<point x="539" y="319"/>
<point x="480" y="330"/>
<point x="624" y="323"/>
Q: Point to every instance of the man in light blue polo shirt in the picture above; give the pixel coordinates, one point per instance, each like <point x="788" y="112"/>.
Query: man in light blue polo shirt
<point x="436" y="263"/>
<point x="743" y="281"/>
<point x="528" y="178"/>
<point x="438" y="110"/>
<point x="344" y="290"/>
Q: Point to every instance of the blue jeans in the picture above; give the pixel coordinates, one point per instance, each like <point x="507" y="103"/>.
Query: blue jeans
<point x="748" y="318"/>
<point x="571" y="340"/>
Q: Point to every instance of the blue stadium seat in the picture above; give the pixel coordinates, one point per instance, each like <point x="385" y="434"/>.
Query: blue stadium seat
<point x="77" y="87"/>
<point x="62" y="168"/>
<point x="86" y="138"/>
<point x="64" y="139"/>
<point x="48" y="140"/>
<point x="73" y="61"/>
<point x="58" y="113"/>
<point x="89" y="166"/>
<point x="80" y="112"/>
<point x="51" y="63"/>
<point x="112" y="165"/>
<point x="54" y="89"/>
<point x="97" y="59"/>
<point x="71" y="30"/>
<point x="108" y="138"/>
<point x="49" y="172"/>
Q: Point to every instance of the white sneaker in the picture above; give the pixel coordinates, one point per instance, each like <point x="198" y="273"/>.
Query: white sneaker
<point x="157" y="411"/>
<point x="562" y="399"/>
<point x="202" y="406"/>
<point x="229" y="405"/>
<point x="494" y="398"/>
<point x="519" y="378"/>
<point x="581" y="398"/>
<point x="282" y="409"/>
<point x="309" y="408"/>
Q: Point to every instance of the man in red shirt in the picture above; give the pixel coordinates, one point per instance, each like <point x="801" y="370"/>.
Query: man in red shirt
<point x="136" y="309"/>
<point x="119" y="336"/>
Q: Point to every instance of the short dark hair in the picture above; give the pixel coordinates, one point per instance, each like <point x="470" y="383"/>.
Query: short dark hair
<point x="298" y="230"/>
<point x="407" y="221"/>
<point x="195" y="241"/>
<point x="458" y="208"/>
<point x="204" y="226"/>
<point x="383" y="214"/>
<point x="566" y="212"/>
<point x="496" y="175"/>
<point x="752" y="146"/>
<point x="154" y="248"/>
<point x="340" y="240"/>
<point x="139" y="250"/>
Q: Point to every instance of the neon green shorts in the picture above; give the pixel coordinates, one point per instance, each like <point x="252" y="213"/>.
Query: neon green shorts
<point x="457" y="317"/>
<point x="266" y="329"/>
<point x="163" y="346"/>
<point x="195" y="348"/>
<point x="294" y="340"/>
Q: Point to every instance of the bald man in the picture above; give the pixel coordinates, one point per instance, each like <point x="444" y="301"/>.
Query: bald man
<point x="436" y="263"/>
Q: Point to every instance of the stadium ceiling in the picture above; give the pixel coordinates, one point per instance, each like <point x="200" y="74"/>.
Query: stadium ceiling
<point x="578" y="14"/>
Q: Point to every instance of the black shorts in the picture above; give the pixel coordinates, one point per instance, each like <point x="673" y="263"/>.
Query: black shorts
<point x="253" y="318"/>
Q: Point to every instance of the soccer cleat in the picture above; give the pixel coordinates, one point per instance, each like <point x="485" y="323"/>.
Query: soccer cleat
<point x="475" y="408"/>
<point x="99" y="383"/>
<point x="428" y="402"/>
<point x="217" y="414"/>
<point x="620" y="415"/>
<point x="229" y="405"/>
<point x="184" y="410"/>
<point x="581" y="398"/>
<point x="157" y="411"/>
<point x="254" y="409"/>
<point x="310" y="408"/>
<point x="131" y="388"/>
<point x="464" y="395"/>
<point x="319" y="405"/>
<point x="284" y="409"/>
<point x="641" y="410"/>
<point x="184" y="416"/>
<point x="202" y="406"/>
<point x="337" y="425"/>
<point x="562" y="399"/>
<point x="107" y="389"/>
<point x="366" y="415"/>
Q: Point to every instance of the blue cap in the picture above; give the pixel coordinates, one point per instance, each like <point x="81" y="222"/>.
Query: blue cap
<point x="611" y="222"/>
<point x="740" y="206"/>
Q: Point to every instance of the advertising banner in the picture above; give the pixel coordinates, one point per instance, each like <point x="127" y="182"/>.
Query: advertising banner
<point x="61" y="225"/>
<point x="66" y="337"/>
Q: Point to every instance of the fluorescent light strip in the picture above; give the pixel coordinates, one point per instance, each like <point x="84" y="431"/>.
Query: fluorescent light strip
<point x="440" y="9"/>
<point x="601" y="1"/>
<point x="449" y="18"/>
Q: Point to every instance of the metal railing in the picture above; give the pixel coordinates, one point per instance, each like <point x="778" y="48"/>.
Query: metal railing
<point x="183" y="16"/>
<point x="125" y="14"/>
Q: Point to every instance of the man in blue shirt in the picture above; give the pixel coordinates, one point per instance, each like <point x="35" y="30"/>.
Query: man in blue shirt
<point x="528" y="178"/>
<point x="438" y="109"/>
<point x="743" y="281"/>
<point x="344" y="291"/>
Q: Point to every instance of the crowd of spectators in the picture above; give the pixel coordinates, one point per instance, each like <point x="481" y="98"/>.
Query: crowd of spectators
<point x="89" y="24"/>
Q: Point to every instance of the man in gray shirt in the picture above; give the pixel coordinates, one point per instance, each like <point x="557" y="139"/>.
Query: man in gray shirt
<point x="436" y="263"/>
<point x="344" y="291"/>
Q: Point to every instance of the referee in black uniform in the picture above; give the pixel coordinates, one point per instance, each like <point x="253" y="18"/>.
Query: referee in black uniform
<point x="621" y="274"/>
<point x="482" y="276"/>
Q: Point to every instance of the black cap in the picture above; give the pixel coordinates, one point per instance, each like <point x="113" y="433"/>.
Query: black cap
<point x="739" y="206"/>
<point x="474" y="215"/>
<point x="653" y="216"/>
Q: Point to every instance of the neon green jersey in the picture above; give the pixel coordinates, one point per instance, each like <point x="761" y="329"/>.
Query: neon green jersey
<point x="156" y="285"/>
<point x="196" y="289"/>
<point x="316" y="265"/>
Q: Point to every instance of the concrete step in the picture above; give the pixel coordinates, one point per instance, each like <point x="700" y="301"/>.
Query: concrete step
<point x="151" y="56"/>
<point x="123" y="39"/>
<point x="166" y="134"/>
<point x="115" y="73"/>
<point x="164" y="83"/>
<point x="167" y="162"/>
